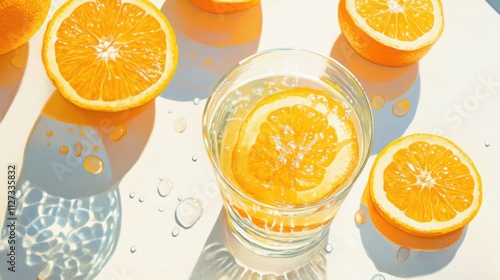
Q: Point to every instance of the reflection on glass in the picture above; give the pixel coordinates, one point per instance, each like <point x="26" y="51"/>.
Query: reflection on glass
<point x="223" y="257"/>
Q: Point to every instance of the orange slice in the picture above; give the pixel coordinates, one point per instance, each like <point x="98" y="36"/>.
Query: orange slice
<point x="224" y="6"/>
<point x="425" y="185"/>
<point x="109" y="55"/>
<point x="391" y="32"/>
<point x="294" y="148"/>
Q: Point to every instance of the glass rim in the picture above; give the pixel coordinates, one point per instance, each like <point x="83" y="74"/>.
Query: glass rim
<point x="304" y="207"/>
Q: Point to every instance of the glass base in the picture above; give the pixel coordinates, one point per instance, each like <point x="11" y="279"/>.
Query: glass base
<point x="276" y="244"/>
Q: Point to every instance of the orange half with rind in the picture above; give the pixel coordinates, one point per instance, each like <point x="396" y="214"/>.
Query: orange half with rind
<point x="109" y="55"/>
<point x="426" y="185"/>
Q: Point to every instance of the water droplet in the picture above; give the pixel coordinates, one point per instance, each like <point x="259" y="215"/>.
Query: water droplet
<point x="360" y="217"/>
<point x="196" y="101"/>
<point x="46" y="272"/>
<point x="378" y="102"/>
<point x="169" y="111"/>
<point x="194" y="158"/>
<point x="165" y="187"/>
<point x="49" y="133"/>
<point x="487" y="143"/>
<point x="179" y="198"/>
<point x="18" y="61"/>
<point x="96" y="148"/>
<point x="329" y="248"/>
<point x="180" y="125"/>
<point x="403" y="254"/>
<point x="131" y="195"/>
<point x="401" y="107"/>
<point x="175" y="232"/>
<point x="188" y="212"/>
<point x="47" y="144"/>
<point x="378" y="277"/>
<point x="161" y="209"/>
<point x="18" y="193"/>
<point x="82" y="132"/>
<point x="70" y="129"/>
<point x="63" y="150"/>
<point x="77" y="149"/>
<point x="161" y="178"/>
<point x="133" y="249"/>
<point x="141" y="198"/>
<point x="93" y="164"/>
<point x="118" y="132"/>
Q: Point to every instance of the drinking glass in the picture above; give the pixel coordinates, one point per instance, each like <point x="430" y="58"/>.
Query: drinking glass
<point x="280" y="230"/>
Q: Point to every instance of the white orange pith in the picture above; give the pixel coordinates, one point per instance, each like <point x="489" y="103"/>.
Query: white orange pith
<point x="425" y="184"/>
<point x="109" y="55"/>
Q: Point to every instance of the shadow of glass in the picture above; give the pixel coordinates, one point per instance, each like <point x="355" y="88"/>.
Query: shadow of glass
<point x="12" y="66"/>
<point x="68" y="214"/>
<point x="223" y="257"/>
<point x="495" y="4"/>
<point x="58" y="238"/>
<point x="393" y="251"/>
<point x="393" y="92"/>
<point x="209" y="45"/>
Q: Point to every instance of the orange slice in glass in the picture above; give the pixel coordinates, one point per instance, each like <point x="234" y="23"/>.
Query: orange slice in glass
<point x="426" y="185"/>
<point x="294" y="148"/>
<point x="109" y="55"/>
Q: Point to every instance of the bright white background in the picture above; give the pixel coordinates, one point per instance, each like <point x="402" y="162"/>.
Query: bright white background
<point x="455" y="91"/>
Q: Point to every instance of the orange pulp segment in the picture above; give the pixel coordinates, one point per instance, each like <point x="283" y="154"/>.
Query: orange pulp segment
<point x="109" y="55"/>
<point x="294" y="148"/>
<point x="426" y="185"/>
<point x="391" y="32"/>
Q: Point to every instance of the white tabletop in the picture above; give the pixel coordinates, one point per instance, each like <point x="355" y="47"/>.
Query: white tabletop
<point x="453" y="91"/>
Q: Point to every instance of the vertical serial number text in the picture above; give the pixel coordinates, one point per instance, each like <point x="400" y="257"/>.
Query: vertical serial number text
<point x="11" y="218"/>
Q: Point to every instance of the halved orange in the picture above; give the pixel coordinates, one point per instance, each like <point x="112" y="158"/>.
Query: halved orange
<point x="425" y="185"/>
<point x="391" y="32"/>
<point x="224" y="6"/>
<point x="19" y="21"/>
<point x="294" y="148"/>
<point x="109" y="55"/>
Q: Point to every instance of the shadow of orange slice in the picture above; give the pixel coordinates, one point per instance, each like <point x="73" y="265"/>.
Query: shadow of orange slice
<point x="393" y="92"/>
<point x="214" y="29"/>
<point x="209" y="45"/>
<point x="12" y="66"/>
<point x="405" y="239"/>
<point x="73" y="152"/>
<point x="388" y="82"/>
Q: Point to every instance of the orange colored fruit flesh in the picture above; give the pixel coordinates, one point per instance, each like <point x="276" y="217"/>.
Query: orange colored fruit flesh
<point x="425" y="185"/>
<point x="372" y="49"/>
<point x="293" y="150"/>
<point x="96" y="78"/>
<point x="403" y="188"/>
<point x="401" y="237"/>
<point x="19" y="21"/>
